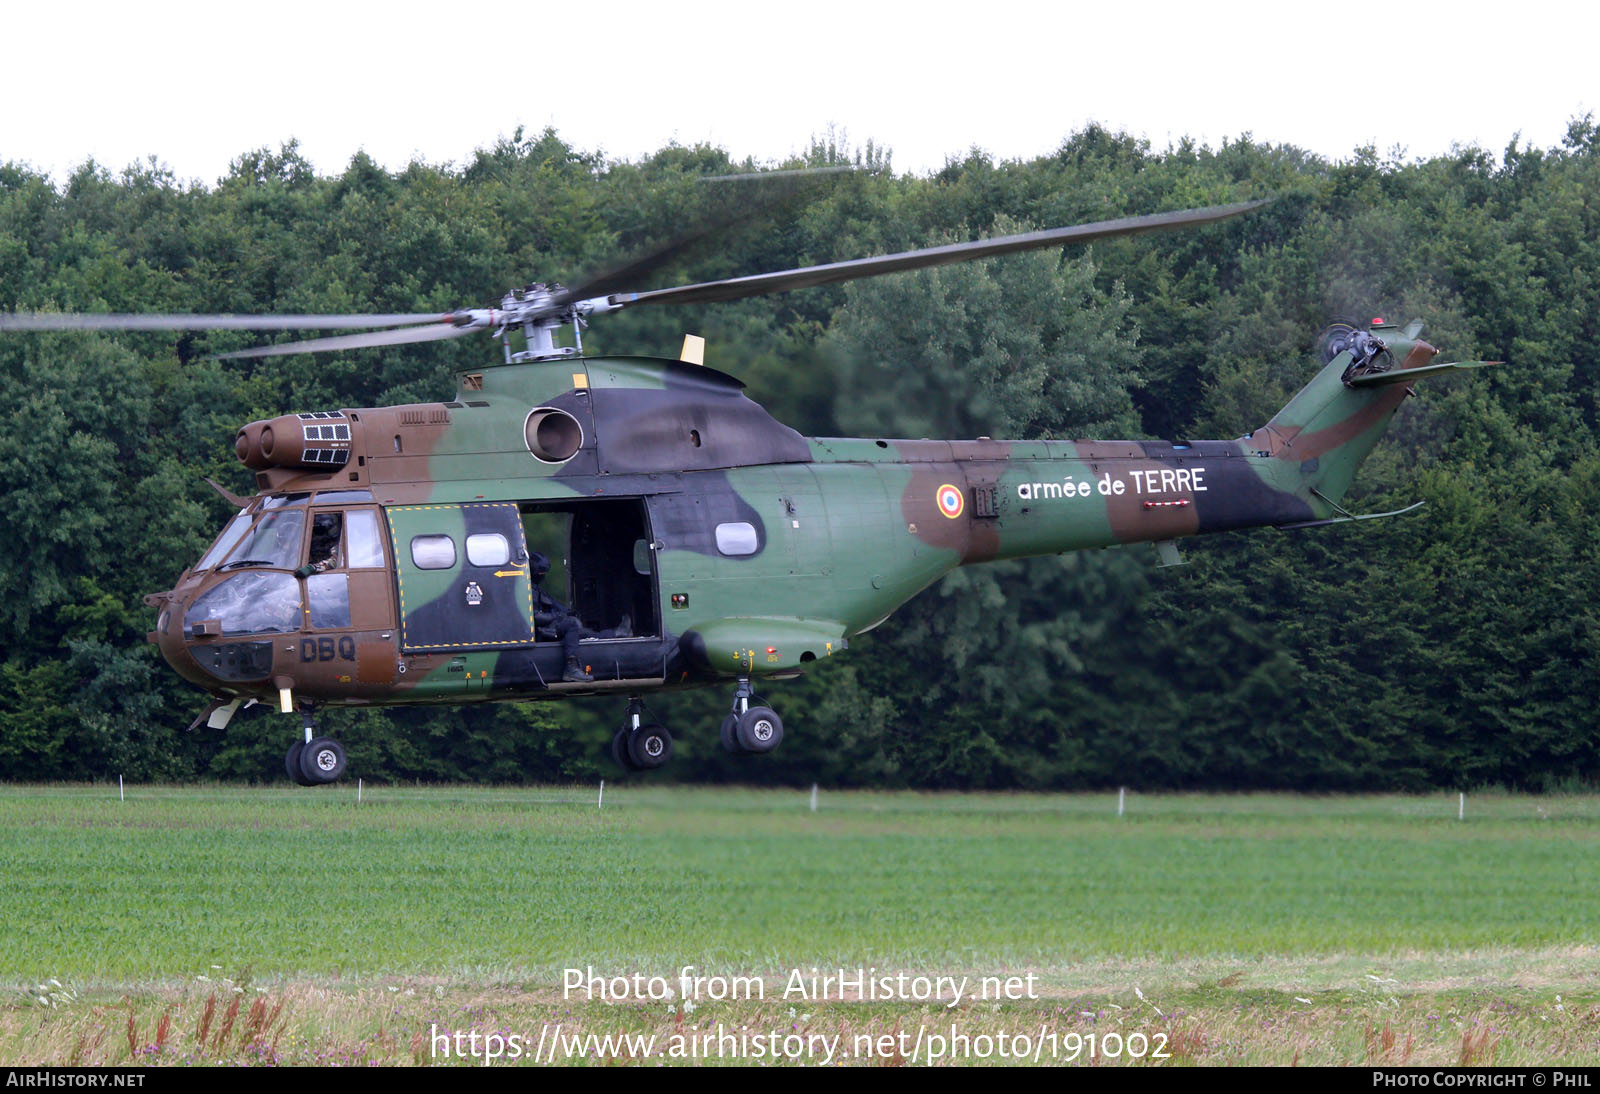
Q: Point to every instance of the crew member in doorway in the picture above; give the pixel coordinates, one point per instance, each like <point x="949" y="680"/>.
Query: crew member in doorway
<point x="552" y="619"/>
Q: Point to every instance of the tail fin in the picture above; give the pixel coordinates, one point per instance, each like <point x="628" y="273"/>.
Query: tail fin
<point x="1331" y="426"/>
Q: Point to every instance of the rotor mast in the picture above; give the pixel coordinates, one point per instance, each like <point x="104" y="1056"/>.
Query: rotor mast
<point x="541" y="310"/>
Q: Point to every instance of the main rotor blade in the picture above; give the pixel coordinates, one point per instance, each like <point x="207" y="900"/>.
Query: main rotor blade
<point x="432" y="333"/>
<point x="62" y="321"/>
<point x="737" y="288"/>
<point x="751" y="195"/>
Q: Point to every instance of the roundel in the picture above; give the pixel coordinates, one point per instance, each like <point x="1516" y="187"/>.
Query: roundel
<point x="950" y="501"/>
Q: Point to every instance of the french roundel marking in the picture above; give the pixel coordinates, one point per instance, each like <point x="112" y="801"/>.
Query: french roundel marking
<point x="950" y="501"/>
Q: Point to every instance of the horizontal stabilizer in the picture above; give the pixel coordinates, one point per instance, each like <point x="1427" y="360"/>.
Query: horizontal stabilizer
<point x="1406" y="375"/>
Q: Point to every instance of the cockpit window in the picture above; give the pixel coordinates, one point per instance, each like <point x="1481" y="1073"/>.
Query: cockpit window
<point x="325" y="536"/>
<point x="280" y="500"/>
<point x="362" y="540"/>
<point x="274" y="542"/>
<point x="230" y="535"/>
<point x="329" y="598"/>
<point x="250" y="603"/>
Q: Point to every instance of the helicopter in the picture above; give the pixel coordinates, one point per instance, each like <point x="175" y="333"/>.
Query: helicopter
<point x="405" y="554"/>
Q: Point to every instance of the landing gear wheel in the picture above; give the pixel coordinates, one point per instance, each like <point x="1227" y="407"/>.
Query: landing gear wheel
<point x="759" y="730"/>
<point x="730" y="734"/>
<point x="649" y="746"/>
<point x="619" y="750"/>
<point x="322" y="761"/>
<point x="291" y="764"/>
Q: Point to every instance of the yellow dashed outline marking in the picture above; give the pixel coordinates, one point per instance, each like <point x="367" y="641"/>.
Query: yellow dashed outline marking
<point x="400" y="581"/>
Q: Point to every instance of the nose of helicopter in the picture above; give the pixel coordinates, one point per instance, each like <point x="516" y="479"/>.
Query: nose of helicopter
<point x="201" y="655"/>
<point x="170" y="639"/>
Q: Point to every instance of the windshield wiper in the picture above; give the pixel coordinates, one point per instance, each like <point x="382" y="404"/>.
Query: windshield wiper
<point x="236" y="563"/>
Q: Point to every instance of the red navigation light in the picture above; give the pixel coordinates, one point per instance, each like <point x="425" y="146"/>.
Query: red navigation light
<point x="1378" y="322"/>
<point x="772" y="649"/>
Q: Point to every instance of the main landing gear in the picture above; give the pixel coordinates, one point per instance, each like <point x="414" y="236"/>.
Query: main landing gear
<point x="640" y="745"/>
<point x="314" y="760"/>
<point x="750" y="728"/>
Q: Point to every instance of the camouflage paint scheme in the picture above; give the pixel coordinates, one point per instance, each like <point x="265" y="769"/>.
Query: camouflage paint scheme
<point x="846" y="530"/>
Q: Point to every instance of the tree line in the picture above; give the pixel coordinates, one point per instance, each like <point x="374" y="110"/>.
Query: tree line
<point x="1456" y="646"/>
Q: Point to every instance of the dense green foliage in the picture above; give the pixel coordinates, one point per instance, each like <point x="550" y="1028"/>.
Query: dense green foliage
<point x="1455" y="646"/>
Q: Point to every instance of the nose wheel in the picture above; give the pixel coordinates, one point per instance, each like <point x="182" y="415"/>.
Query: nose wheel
<point x="291" y="764"/>
<point x="314" y="761"/>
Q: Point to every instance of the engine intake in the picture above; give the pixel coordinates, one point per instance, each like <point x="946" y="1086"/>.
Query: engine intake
<point x="553" y="435"/>
<point x="304" y="441"/>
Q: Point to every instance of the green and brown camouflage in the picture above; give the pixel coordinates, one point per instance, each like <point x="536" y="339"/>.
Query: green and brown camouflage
<point x="723" y="542"/>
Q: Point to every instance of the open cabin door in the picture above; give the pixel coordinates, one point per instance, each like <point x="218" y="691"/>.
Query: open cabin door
<point x="461" y="574"/>
<point x="601" y="562"/>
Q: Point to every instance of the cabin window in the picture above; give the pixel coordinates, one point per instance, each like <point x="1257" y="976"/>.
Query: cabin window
<point x="433" y="552"/>
<point x="737" y="538"/>
<point x="488" y="549"/>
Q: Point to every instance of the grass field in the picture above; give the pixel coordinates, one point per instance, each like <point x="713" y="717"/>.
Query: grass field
<point x="1258" y="928"/>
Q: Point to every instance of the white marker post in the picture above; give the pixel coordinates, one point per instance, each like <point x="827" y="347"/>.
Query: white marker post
<point x="358" y="791"/>
<point x="600" y="803"/>
<point x="1461" y="810"/>
<point x="121" y="796"/>
<point x="813" y="797"/>
<point x="1122" y="799"/>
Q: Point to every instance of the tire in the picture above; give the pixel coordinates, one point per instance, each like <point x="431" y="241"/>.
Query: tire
<point x="650" y="747"/>
<point x="730" y="734"/>
<point x="291" y="764"/>
<point x="322" y="761"/>
<point x="759" y="730"/>
<point x="619" y="750"/>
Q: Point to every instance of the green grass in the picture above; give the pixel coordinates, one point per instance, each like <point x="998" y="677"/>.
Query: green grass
<point x="525" y="883"/>
<point x="1325" y="920"/>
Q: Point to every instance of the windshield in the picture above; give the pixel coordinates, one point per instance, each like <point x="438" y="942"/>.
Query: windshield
<point x="274" y="542"/>
<point x="230" y="535"/>
<point x="250" y="603"/>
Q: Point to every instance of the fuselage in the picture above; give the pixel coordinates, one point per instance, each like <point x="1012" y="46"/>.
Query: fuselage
<point x="385" y="557"/>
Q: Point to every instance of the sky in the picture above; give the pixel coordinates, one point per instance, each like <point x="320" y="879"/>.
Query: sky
<point x="196" y="85"/>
